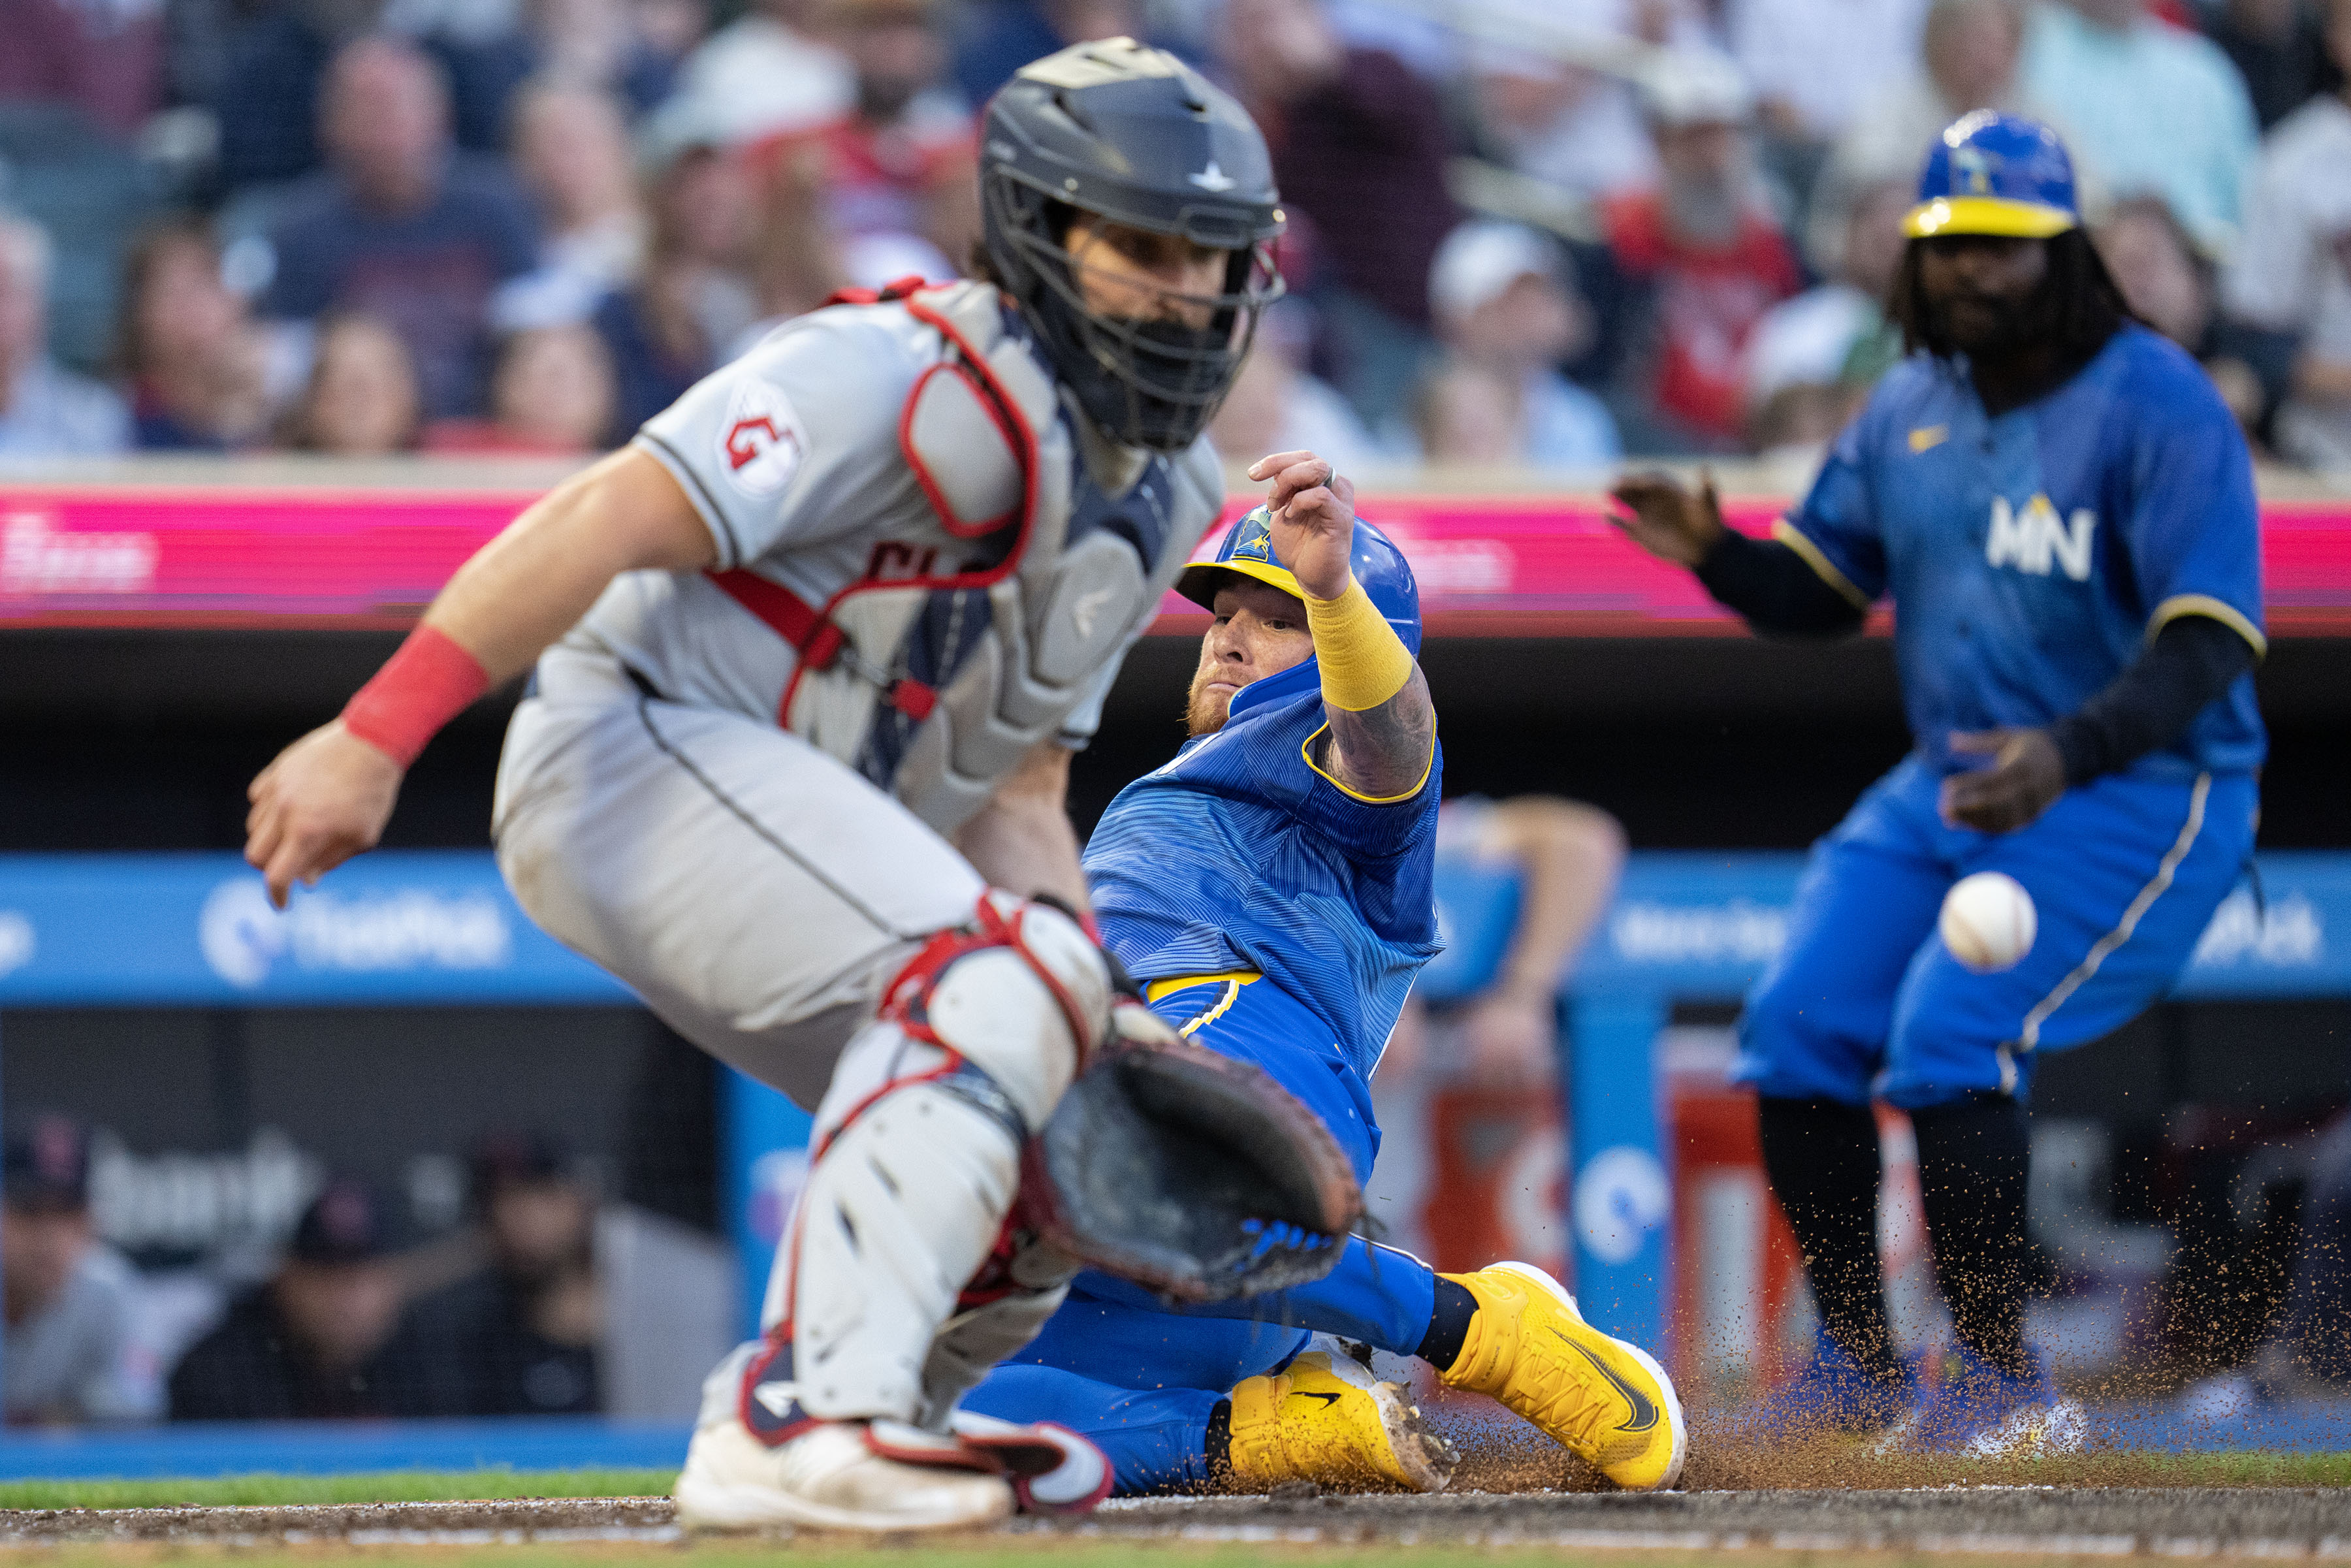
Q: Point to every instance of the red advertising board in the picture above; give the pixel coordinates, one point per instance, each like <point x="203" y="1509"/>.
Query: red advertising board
<point x="1498" y="565"/>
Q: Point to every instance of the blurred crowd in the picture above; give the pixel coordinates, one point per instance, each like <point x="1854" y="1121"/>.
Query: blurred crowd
<point x="352" y="1318"/>
<point x="1539" y="233"/>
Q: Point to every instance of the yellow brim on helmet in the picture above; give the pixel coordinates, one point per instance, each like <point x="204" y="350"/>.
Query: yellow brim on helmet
<point x="1198" y="583"/>
<point x="1995" y="216"/>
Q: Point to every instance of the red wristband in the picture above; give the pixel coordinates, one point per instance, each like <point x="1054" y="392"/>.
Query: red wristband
<point x="430" y="680"/>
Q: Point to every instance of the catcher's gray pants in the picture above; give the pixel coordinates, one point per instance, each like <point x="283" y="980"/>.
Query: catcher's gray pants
<point x="750" y="888"/>
<point x="755" y="893"/>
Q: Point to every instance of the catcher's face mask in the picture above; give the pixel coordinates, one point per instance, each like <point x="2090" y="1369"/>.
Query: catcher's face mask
<point x="1133" y="137"/>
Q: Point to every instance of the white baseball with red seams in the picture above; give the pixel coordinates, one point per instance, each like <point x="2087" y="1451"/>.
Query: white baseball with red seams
<point x="1987" y="922"/>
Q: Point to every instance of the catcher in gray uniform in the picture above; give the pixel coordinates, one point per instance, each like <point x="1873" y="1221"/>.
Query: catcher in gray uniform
<point x="811" y="652"/>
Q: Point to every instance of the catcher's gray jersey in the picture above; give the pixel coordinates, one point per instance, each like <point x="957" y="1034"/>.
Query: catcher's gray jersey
<point x="918" y="570"/>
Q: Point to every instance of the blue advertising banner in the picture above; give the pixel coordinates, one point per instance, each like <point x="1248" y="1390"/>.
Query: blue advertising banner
<point x="1702" y="926"/>
<point x="439" y="928"/>
<point x="763" y="1154"/>
<point x="422" y="926"/>
<point x="418" y="928"/>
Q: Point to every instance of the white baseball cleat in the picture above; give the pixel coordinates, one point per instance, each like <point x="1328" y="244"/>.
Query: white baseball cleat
<point x="758" y="1460"/>
<point x="1052" y="1469"/>
<point x="833" y="1475"/>
<point x="1988" y="1413"/>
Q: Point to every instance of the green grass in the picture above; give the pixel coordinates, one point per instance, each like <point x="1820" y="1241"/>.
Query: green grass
<point x="2132" y="1468"/>
<point x="985" y="1551"/>
<point x="388" y="1486"/>
<point x="923" y="1552"/>
<point x="2254" y="1469"/>
<point x="918" y="1552"/>
<point x="459" y="1486"/>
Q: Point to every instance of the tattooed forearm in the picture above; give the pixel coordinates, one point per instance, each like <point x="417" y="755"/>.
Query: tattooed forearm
<point x="1385" y="752"/>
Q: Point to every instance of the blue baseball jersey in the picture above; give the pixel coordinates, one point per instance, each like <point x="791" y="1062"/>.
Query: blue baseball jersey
<point x="1242" y="854"/>
<point x="2031" y="557"/>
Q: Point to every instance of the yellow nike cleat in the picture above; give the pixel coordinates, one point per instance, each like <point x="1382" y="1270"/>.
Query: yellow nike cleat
<point x="1603" y="1399"/>
<point x="1326" y="1419"/>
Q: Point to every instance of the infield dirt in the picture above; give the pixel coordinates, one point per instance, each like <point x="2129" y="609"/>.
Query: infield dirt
<point x="2044" y="1521"/>
<point x="1830" y="1496"/>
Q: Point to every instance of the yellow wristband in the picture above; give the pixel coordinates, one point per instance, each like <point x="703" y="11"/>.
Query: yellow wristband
<point x="1363" y="662"/>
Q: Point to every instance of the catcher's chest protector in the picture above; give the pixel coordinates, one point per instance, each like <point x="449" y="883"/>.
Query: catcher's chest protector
<point x="934" y="676"/>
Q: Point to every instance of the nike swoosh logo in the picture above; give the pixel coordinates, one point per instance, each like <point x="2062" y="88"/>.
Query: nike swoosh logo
<point x="1328" y="1399"/>
<point x="776" y="1398"/>
<point x="1644" y="1412"/>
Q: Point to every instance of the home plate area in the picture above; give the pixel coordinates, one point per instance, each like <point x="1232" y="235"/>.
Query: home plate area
<point x="2268" y="1487"/>
<point x="2050" y="1521"/>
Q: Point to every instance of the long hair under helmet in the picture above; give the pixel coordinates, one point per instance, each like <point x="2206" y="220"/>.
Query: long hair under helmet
<point x="1135" y="136"/>
<point x="2006" y="177"/>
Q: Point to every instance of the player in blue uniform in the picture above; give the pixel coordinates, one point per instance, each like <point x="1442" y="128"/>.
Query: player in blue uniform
<point x="1270" y="887"/>
<point x="2062" y="509"/>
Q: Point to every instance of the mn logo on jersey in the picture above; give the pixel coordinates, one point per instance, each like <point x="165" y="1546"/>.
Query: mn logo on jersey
<point x="2035" y="540"/>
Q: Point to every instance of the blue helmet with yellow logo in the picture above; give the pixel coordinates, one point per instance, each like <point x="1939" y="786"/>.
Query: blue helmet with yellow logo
<point x="1992" y="173"/>
<point x="1378" y="565"/>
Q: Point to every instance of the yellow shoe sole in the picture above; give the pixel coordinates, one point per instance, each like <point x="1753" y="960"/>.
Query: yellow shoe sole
<point x="1326" y="1419"/>
<point x="1424" y="1461"/>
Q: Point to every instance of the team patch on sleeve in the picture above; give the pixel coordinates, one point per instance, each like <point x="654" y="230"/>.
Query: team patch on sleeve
<point x="761" y="443"/>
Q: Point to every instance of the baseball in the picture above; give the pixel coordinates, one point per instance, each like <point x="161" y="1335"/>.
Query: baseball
<point x="1987" y="922"/>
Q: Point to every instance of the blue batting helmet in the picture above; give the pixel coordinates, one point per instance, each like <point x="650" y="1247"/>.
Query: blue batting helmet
<point x="1378" y="565"/>
<point x="1992" y="173"/>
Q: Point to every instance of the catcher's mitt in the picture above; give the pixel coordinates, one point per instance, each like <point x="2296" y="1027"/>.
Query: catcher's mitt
<point x="1191" y="1173"/>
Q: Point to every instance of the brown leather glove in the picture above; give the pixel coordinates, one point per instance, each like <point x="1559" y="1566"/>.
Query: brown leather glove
<point x="1191" y="1173"/>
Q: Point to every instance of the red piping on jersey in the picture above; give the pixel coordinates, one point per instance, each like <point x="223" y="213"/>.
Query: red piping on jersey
<point x="815" y="634"/>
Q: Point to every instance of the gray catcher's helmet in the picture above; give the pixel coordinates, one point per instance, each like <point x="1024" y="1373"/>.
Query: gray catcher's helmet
<point x="1135" y="136"/>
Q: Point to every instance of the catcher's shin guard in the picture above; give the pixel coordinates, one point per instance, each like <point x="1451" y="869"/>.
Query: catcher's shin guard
<point x="917" y="1161"/>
